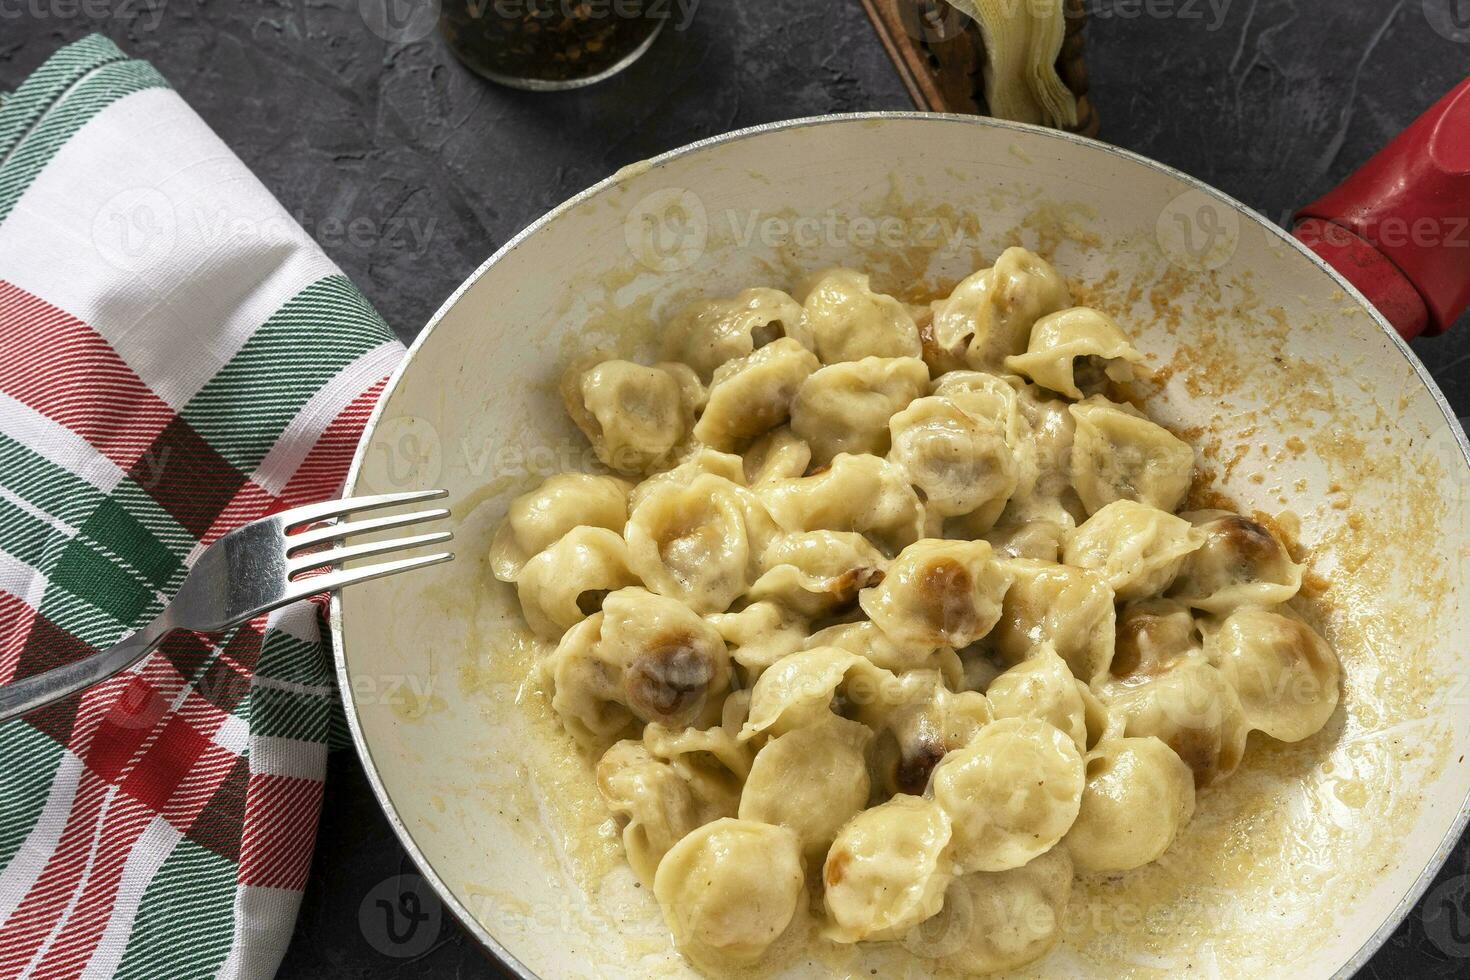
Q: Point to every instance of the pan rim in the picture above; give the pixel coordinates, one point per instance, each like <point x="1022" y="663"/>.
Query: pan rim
<point x="1364" y="952"/>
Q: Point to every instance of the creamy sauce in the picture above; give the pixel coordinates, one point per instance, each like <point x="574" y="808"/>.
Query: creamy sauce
<point x="1299" y="831"/>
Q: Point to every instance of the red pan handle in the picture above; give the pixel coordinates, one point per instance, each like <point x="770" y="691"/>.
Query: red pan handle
<point x="1399" y="227"/>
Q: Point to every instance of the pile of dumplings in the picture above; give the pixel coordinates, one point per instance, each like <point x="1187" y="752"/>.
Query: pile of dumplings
<point x="888" y="618"/>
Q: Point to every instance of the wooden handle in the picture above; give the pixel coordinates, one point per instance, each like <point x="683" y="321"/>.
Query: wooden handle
<point x="939" y="55"/>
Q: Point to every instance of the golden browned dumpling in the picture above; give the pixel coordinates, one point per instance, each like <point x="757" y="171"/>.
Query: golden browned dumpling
<point x="939" y="592"/>
<point x="1120" y="454"/>
<point x="887" y="870"/>
<point x="1240" y="563"/>
<point x="1187" y="704"/>
<point x="1001" y="920"/>
<point x="539" y="518"/>
<point x="1076" y="348"/>
<point x="751" y="396"/>
<point x="643" y="656"/>
<point x="730" y="888"/>
<point x="812" y="780"/>
<point x="989" y="315"/>
<point x="1152" y="634"/>
<point x="1068" y="609"/>
<point x="710" y="333"/>
<point x="846" y="320"/>
<point x="919" y="720"/>
<point x="1139" y="794"/>
<point x="845" y="407"/>
<point x="1011" y="794"/>
<point x="1285" y="673"/>
<point x="856" y="493"/>
<point x="634" y="416"/>
<point x="698" y="543"/>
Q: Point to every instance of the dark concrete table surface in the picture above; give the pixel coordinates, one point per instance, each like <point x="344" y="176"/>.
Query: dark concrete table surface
<point x="410" y="172"/>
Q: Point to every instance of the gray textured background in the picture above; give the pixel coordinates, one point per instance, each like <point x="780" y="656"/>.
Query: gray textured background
<point x="410" y="172"/>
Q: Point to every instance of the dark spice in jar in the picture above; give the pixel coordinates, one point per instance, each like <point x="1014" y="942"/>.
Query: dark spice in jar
<point x="548" y="43"/>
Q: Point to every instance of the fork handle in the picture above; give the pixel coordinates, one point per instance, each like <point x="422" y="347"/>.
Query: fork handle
<point x="23" y="696"/>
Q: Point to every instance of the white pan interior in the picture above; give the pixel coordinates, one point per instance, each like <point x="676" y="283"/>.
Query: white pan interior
<point x="1299" y="398"/>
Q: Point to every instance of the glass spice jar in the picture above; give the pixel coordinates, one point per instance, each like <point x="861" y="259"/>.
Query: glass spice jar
<point x="545" y="45"/>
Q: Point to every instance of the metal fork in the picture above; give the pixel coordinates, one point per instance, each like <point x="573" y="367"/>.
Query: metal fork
<point x="255" y="568"/>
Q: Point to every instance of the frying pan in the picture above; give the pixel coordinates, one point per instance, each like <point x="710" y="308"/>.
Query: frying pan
<point x="1307" y="406"/>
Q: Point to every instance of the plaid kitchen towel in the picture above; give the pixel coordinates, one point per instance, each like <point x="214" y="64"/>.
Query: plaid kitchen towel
<point x="177" y="357"/>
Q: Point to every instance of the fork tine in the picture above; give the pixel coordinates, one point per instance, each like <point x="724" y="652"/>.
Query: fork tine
<point x="332" y="581"/>
<point x="331" y="532"/>
<point x="311" y="513"/>
<point x="336" y="556"/>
